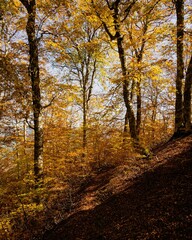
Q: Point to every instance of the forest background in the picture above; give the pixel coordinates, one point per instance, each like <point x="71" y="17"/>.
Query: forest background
<point x="84" y="84"/>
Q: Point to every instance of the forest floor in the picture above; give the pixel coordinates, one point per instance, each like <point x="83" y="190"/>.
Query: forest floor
<point x="150" y="199"/>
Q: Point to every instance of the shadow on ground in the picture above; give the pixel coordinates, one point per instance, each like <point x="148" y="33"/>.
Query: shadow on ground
<point x="158" y="205"/>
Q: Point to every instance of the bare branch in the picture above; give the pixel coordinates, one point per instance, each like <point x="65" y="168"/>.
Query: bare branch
<point x="49" y="104"/>
<point x="128" y="9"/>
<point x="91" y="84"/>
<point x="45" y="32"/>
<point x="29" y="124"/>
<point x="108" y="4"/>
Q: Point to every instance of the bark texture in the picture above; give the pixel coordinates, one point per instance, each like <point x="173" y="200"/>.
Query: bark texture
<point x="187" y="98"/>
<point x="35" y="84"/>
<point x="179" y="4"/>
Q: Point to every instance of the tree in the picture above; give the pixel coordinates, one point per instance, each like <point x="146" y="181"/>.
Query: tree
<point x="139" y="25"/>
<point x="119" y="12"/>
<point x="35" y="84"/>
<point x="187" y="98"/>
<point x="78" y="52"/>
<point x="179" y="5"/>
<point x="83" y="64"/>
<point x="183" y="99"/>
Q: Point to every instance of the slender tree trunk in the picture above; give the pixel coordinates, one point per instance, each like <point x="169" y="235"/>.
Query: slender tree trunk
<point x="17" y="151"/>
<point x="24" y="147"/>
<point x="179" y="4"/>
<point x="138" y="125"/>
<point x="139" y="60"/>
<point x="84" y="121"/>
<point x="153" y="119"/>
<point x="125" y="131"/>
<point x="187" y="98"/>
<point x="87" y="81"/>
<point x="36" y="95"/>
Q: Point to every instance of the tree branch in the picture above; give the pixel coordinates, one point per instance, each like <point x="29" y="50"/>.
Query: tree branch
<point x="49" y="104"/>
<point x="128" y="9"/>
<point x="29" y="124"/>
<point x="111" y="36"/>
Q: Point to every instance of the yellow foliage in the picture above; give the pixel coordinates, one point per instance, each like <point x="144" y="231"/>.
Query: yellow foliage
<point x="17" y="3"/>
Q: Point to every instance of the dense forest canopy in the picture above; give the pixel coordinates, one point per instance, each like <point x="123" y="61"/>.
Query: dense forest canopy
<point x="84" y="84"/>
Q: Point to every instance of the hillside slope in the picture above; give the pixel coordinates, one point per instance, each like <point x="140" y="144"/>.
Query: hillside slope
<point x="154" y="203"/>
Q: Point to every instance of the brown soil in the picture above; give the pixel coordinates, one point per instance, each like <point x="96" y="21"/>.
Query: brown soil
<point x="143" y="199"/>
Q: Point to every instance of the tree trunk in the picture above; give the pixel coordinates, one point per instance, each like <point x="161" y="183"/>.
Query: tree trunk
<point x="36" y="95"/>
<point x="179" y="4"/>
<point x="138" y="125"/>
<point x="116" y="35"/>
<point x="125" y="131"/>
<point x="130" y="113"/>
<point x="126" y="97"/>
<point x="187" y="98"/>
<point x="84" y="121"/>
